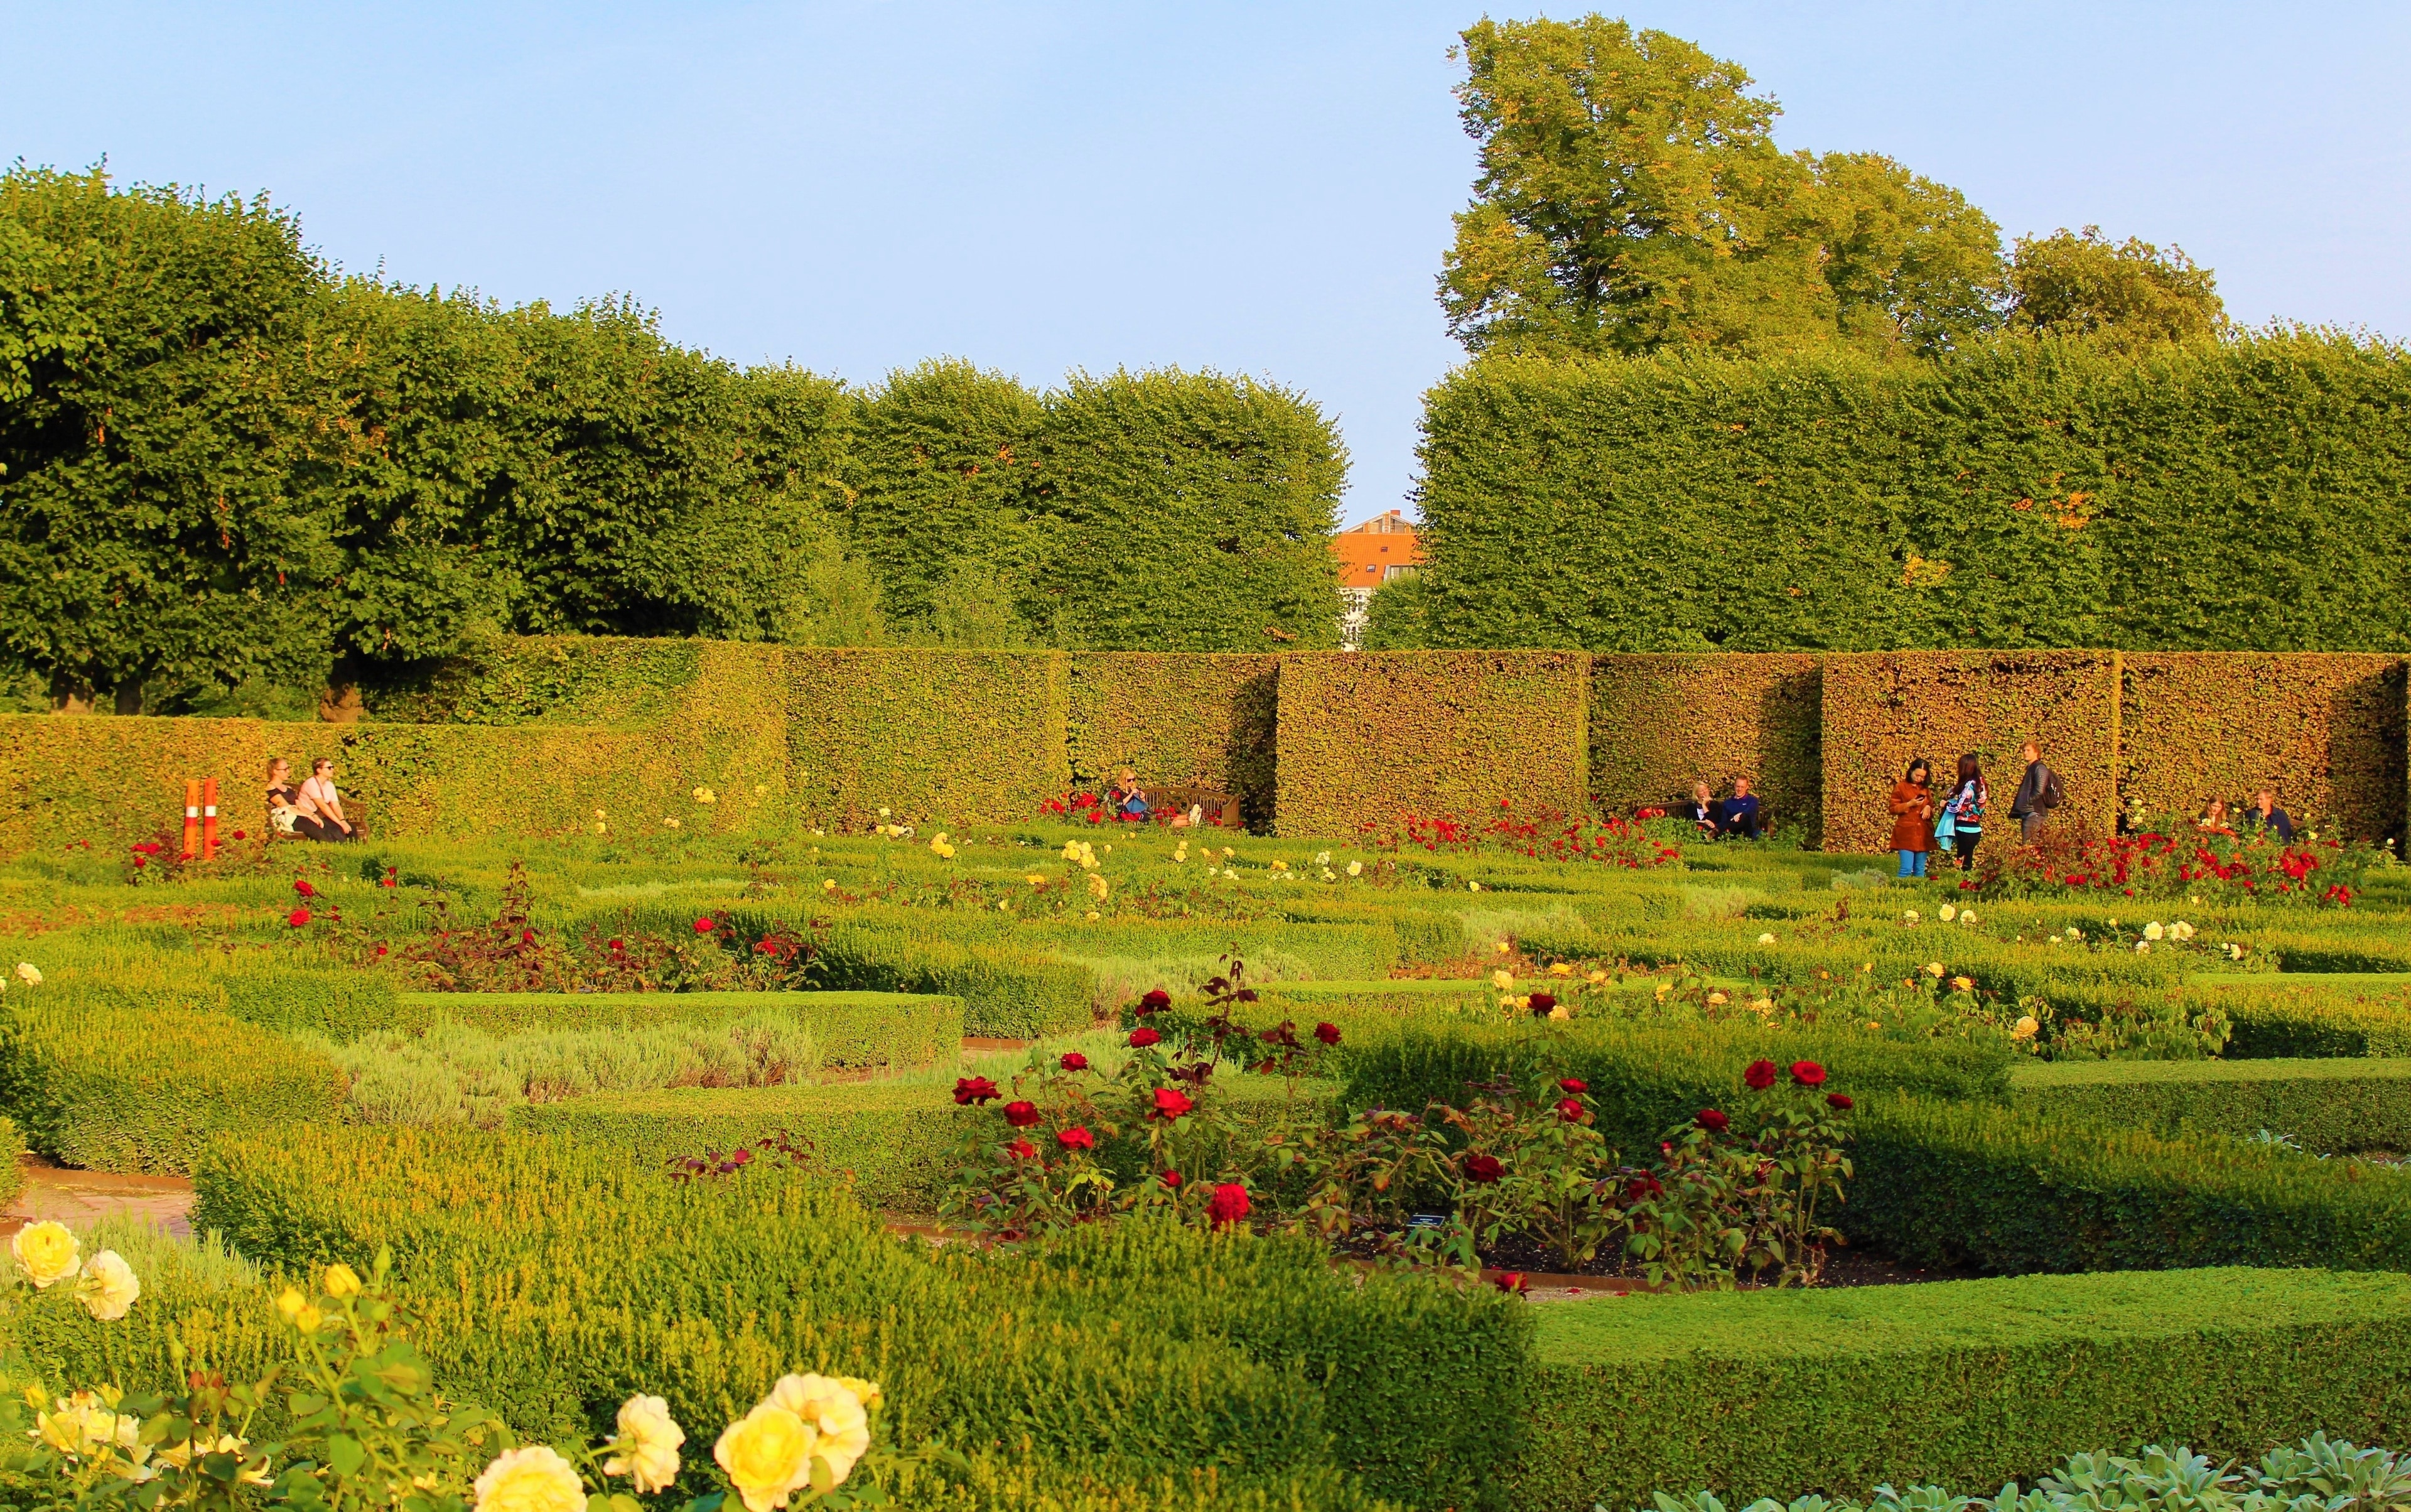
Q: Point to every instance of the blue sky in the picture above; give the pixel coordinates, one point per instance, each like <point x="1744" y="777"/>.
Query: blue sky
<point x="1260" y="188"/>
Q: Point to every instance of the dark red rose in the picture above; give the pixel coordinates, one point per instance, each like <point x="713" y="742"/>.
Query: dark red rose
<point x="969" y="1090"/>
<point x="1171" y="1178"/>
<point x="1142" y="1037"/>
<point x="1510" y="1282"/>
<point x="1543" y="1004"/>
<point x="1640" y="1187"/>
<point x="1156" y="1001"/>
<point x="1228" y="1206"/>
<point x="527" y="936"/>
<point x="301" y="885"/>
<point x="237" y="835"/>
<point x="1711" y="1121"/>
<point x="1076" y="1138"/>
<point x="1807" y="1073"/>
<point x="1840" y="1101"/>
<point x="1570" y="1110"/>
<point x="705" y="924"/>
<point x="1021" y="1115"/>
<point x="1075" y="1061"/>
<point x="1327" y="1033"/>
<point x="1572" y="1084"/>
<point x="1760" y="1076"/>
<point x="619" y="944"/>
<point x="1022" y="1149"/>
<point x="1483" y="1169"/>
<point x="1170" y="1103"/>
<point x="297" y="918"/>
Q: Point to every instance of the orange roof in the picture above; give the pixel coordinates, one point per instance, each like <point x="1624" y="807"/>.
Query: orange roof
<point x="1366" y="552"/>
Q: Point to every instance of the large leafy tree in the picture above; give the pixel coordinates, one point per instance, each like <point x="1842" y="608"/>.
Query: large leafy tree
<point x="2126" y="293"/>
<point x="1631" y="197"/>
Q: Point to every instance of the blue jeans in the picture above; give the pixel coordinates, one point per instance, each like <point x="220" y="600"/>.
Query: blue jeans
<point x="1912" y="862"/>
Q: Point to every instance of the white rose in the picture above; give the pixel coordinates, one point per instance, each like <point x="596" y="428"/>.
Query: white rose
<point x="108" y="1287"/>
<point x="648" y="1445"/>
<point x="2153" y="930"/>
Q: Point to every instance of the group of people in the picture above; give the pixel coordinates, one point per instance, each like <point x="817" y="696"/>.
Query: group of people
<point x="314" y="810"/>
<point x="1720" y="816"/>
<point x="1924" y="821"/>
<point x="2262" y="812"/>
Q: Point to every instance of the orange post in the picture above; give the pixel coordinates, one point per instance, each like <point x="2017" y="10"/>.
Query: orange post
<point x="209" y="818"/>
<point x="192" y="819"/>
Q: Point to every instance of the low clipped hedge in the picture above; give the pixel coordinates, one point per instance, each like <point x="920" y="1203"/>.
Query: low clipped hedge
<point x="2330" y="1106"/>
<point x="2293" y="1016"/>
<point x="2012" y="1191"/>
<point x="1126" y="1355"/>
<point x="100" y="1083"/>
<point x="858" y="1031"/>
<point x="1968" y="1383"/>
<point x="1006" y="993"/>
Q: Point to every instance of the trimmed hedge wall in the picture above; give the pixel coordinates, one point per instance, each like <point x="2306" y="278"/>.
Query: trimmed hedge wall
<point x="1970" y="1383"/>
<point x="2012" y="1191"/>
<point x="1880" y="709"/>
<point x="1660" y="722"/>
<point x="104" y="1084"/>
<point x="2326" y="732"/>
<point x="966" y="735"/>
<point x="1368" y="736"/>
<point x="2329" y="1105"/>
<point x="1204" y="721"/>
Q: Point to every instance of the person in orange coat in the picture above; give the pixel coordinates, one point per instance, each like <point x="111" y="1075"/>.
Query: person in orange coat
<point x="1912" y="817"/>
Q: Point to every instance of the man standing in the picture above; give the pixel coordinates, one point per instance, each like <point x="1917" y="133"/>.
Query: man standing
<point x="2037" y="794"/>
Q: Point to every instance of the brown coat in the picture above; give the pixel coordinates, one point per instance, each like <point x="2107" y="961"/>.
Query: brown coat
<point x="1912" y="825"/>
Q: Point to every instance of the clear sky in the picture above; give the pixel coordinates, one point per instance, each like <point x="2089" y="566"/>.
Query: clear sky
<point x="1262" y="188"/>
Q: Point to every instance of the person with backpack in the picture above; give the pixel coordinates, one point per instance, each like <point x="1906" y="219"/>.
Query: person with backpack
<point x="1961" y="825"/>
<point x="2038" y="793"/>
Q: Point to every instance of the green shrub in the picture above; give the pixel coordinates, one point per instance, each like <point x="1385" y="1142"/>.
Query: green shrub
<point x="2330" y="1106"/>
<point x="97" y="1082"/>
<point x="12" y="1153"/>
<point x="1006" y="993"/>
<point x="2295" y="1016"/>
<point x="2011" y="1189"/>
<point x="1965" y="1383"/>
<point x="862" y="1031"/>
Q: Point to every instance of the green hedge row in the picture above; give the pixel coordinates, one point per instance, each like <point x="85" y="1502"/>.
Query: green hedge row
<point x="2298" y="1015"/>
<point x="1965" y="1383"/>
<point x="1134" y="1350"/>
<point x="855" y="1031"/>
<point x="104" y="1084"/>
<point x="2329" y="1106"/>
<point x="2011" y="1191"/>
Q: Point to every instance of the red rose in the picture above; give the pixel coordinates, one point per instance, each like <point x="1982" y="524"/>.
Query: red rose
<point x="1572" y="1084"/>
<point x="1543" y="1004"/>
<point x="297" y="918"/>
<point x="302" y="887"/>
<point x="1642" y="1186"/>
<point x="971" y="1090"/>
<point x="237" y="835"/>
<point x="1170" y="1103"/>
<point x="1760" y="1076"/>
<point x="1021" y="1115"/>
<point x="1570" y="1110"/>
<point x="705" y="924"/>
<point x="140" y="861"/>
<point x="1510" y="1282"/>
<point x="1483" y="1169"/>
<point x="1075" y="1061"/>
<point x="619" y="944"/>
<point x="1327" y="1033"/>
<point x="1228" y="1206"/>
<point x="527" y="936"/>
<point x="1141" y="1038"/>
<point x="1711" y="1121"/>
<point x="1171" y="1178"/>
<point x="1807" y="1073"/>
<point x="1838" y="1101"/>
<point x="1076" y="1138"/>
<point x="1156" y="1001"/>
<point x="1022" y="1149"/>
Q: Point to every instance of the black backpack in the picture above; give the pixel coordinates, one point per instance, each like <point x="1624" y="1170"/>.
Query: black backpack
<point x="2052" y="794"/>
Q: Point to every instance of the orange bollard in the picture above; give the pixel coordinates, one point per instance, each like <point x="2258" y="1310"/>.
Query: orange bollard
<point x="192" y="819"/>
<point x="209" y="818"/>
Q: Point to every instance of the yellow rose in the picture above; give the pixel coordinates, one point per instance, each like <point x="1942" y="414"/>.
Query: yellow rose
<point x="1933" y="969"/>
<point x="1355" y="868"/>
<point x="648" y="1444"/>
<point x="86" y="1427"/>
<point x="1561" y="969"/>
<point x="29" y="974"/>
<point x="342" y="1282"/>
<point x="46" y="1253"/>
<point x="533" y="1479"/>
<point x="108" y="1287"/>
<point x="767" y="1454"/>
<point x="2025" y="1027"/>
<point x="1963" y="984"/>
<point x="828" y="1404"/>
<point x="1502" y="980"/>
<point x="1717" y="999"/>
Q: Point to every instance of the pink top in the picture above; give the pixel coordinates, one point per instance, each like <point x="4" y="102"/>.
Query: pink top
<point x="321" y="791"/>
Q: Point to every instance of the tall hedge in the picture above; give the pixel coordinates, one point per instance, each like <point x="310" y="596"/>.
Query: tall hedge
<point x="2327" y="732"/>
<point x="2243" y="494"/>
<point x="1209" y="721"/>
<point x="1660" y="722"/>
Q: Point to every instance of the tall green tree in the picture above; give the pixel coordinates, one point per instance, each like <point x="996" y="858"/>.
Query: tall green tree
<point x="1913" y="266"/>
<point x="2129" y="294"/>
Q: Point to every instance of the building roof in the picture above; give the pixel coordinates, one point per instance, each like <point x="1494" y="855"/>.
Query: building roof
<point x="1367" y="551"/>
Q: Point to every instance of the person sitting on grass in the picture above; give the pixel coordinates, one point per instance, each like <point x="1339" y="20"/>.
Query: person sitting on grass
<point x="1739" y="816"/>
<point x="2264" y="813"/>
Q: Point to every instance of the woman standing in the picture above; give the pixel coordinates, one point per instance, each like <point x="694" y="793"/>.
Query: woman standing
<point x="1968" y="798"/>
<point x="1912" y="817"/>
